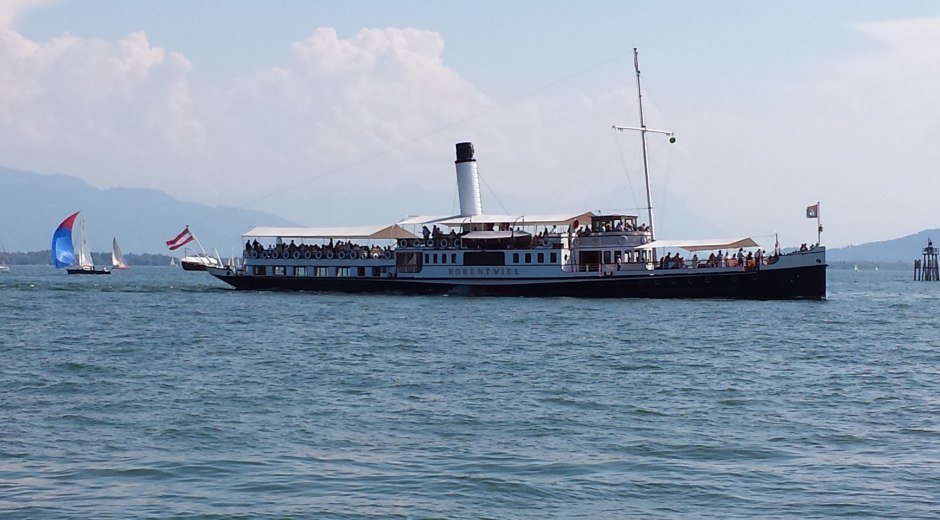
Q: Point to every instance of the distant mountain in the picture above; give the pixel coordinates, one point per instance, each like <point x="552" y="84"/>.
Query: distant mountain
<point x="32" y="205"/>
<point x="904" y="249"/>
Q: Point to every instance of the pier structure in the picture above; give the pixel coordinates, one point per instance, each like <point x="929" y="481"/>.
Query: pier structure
<point x="926" y="269"/>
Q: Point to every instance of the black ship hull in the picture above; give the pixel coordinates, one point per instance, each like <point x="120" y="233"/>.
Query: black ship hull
<point x="88" y="271"/>
<point x="796" y="283"/>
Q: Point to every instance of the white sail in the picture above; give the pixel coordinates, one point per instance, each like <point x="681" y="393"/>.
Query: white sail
<point x="4" y="266"/>
<point x="117" y="258"/>
<point x="84" y="257"/>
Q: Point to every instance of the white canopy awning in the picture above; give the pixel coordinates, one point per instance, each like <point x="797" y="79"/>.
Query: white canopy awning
<point x="417" y="220"/>
<point x="374" y="232"/>
<point x="493" y="235"/>
<point x="701" y="245"/>
<point x="518" y="220"/>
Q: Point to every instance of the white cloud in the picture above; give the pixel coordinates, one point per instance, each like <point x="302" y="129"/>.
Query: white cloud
<point x="125" y="113"/>
<point x="10" y="9"/>
<point x="91" y="107"/>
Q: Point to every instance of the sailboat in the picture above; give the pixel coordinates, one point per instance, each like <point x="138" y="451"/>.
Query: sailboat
<point x="63" y="252"/>
<point x="4" y="264"/>
<point x="117" y="257"/>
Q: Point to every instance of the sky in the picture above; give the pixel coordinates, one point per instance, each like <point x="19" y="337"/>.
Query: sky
<point x="346" y="113"/>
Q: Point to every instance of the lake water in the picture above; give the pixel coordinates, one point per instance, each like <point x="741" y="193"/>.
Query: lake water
<point x="156" y="392"/>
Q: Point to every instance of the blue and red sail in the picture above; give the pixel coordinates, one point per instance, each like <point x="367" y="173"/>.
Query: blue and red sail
<point x="63" y="254"/>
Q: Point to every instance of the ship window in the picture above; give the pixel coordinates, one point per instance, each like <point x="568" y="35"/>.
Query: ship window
<point x="435" y="258"/>
<point x="279" y="270"/>
<point x="427" y="258"/>
<point x="342" y="271"/>
<point x="606" y="257"/>
<point x="515" y="258"/>
<point x="453" y="258"/>
<point x="300" y="271"/>
<point x="540" y="257"/>
<point x="484" y="258"/>
<point x="443" y="258"/>
<point x="553" y="258"/>
<point x="259" y="270"/>
<point x="408" y="262"/>
<point x="528" y="258"/>
<point x="322" y="271"/>
<point x="377" y="271"/>
<point x="360" y="271"/>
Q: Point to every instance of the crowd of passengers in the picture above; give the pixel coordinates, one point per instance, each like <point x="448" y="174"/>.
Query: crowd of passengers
<point x="750" y="260"/>
<point x="620" y="226"/>
<point x="436" y="234"/>
<point x="292" y="250"/>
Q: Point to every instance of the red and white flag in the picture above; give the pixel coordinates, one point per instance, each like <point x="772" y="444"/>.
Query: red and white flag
<point x="180" y="240"/>
<point x="812" y="211"/>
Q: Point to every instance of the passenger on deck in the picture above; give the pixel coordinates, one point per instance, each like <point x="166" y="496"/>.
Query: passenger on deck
<point x="694" y="260"/>
<point x="740" y="256"/>
<point x="719" y="259"/>
<point x="425" y="232"/>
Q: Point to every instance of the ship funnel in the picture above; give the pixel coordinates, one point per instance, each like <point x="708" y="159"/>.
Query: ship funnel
<point x="468" y="181"/>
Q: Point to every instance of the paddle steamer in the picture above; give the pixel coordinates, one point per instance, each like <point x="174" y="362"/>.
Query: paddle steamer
<point x="580" y="254"/>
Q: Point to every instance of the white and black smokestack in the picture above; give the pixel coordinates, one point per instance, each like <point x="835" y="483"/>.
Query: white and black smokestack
<point x="468" y="181"/>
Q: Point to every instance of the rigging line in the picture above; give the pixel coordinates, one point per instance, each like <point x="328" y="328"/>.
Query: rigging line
<point x="493" y="193"/>
<point x="396" y="147"/>
<point x="565" y="189"/>
<point x="626" y="172"/>
<point x="666" y="177"/>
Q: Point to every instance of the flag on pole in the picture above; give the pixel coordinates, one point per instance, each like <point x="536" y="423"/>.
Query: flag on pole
<point x="180" y="240"/>
<point x="812" y="211"/>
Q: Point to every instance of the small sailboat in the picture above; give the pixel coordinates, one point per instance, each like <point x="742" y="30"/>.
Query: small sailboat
<point x="63" y="252"/>
<point x="117" y="257"/>
<point x="4" y="263"/>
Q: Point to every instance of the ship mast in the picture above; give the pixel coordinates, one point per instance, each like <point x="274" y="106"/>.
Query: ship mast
<point x="643" y="131"/>
<point x="646" y="167"/>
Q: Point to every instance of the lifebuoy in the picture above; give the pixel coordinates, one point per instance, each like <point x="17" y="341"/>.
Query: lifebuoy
<point x="415" y="242"/>
<point x="429" y="242"/>
<point x="253" y="254"/>
<point x="363" y="254"/>
<point x="544" y="242"/>
<point x="307" y="255"/>
<point x="443" y="242"/>
<point x="296" y="255"/>
<point x="457" y="243"/>
<point x="388" y="254"/>
<point x="318" y="255"/>
<point x="329" y="254"/>
<point x="341" y="255"/>
<point x="402" y="242"/>
<point x="622" y="239"/>
<point x="266" y="254"/>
